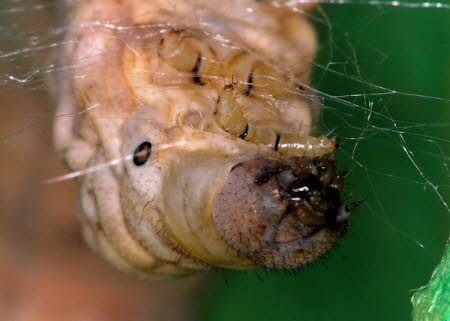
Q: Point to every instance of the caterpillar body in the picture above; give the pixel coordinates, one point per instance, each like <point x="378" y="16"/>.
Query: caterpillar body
<point x="197" y="117"/>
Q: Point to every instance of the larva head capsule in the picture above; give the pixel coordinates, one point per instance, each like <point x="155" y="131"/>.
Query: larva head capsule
<point x="194" y="134"/>
<point x="282" y="214"/>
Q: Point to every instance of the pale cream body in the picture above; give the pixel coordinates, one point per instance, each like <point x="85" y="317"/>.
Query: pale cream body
<point x="116" y="92"/>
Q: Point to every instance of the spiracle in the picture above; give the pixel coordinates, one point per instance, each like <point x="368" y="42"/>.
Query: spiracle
<point x="204" y="115"/>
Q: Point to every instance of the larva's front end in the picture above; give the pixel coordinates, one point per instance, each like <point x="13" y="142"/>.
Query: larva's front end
<point x="193" y="135"/>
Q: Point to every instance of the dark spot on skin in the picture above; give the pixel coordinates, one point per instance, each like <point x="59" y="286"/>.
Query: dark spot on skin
<point x="244" y="134"/>
<point x="196" y="78"/>
<point x="142" y="153"/>
<point x="249" y="85"/>
<point x="277" y="143"/>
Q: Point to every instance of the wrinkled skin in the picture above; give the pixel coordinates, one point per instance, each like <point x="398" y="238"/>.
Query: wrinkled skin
<point x="173" y="97"/>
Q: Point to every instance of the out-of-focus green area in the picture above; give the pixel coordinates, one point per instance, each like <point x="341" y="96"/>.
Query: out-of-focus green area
<point x="385" y="73"/>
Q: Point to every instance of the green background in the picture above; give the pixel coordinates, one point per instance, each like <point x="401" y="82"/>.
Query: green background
<point x="398" y="236"/>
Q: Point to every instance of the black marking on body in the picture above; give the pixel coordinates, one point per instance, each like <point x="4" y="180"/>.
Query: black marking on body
<point x="277" y="143"/>
<point x="244" y="134"/>
<point x="249" y="84"/>
<point x="142" y="153"/>
<point x="196" y="78"/>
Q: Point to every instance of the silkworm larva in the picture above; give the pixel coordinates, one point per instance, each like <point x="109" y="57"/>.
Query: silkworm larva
<point x="197" y="108"/>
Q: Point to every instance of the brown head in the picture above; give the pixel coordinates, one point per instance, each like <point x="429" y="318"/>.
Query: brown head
<point x="282" y="214"/>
